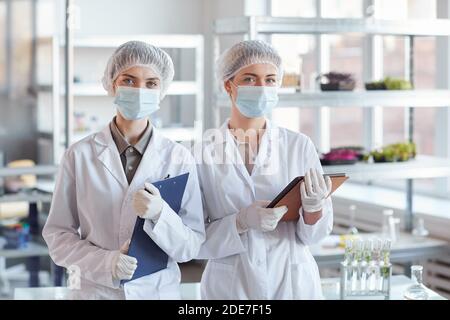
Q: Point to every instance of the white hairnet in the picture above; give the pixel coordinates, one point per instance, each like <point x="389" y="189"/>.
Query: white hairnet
<point x="246" y="53"/>
<point x="138" y="53"/>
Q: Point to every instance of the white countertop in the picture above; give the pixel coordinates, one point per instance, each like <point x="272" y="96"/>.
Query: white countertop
<point x="191" y="291"/>
<point x="399" y="284"/>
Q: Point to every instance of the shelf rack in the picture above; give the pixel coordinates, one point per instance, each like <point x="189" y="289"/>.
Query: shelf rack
<point x="34" y="248"/>
<point x="420" y="167"/>
<point x="95" y="90"/>
<point x="362" y="98"/>
<point x="423" y="167"/>
<point x="254" y="25"/>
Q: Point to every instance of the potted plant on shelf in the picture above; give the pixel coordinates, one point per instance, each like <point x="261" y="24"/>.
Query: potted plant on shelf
<point x="336" y="81"/>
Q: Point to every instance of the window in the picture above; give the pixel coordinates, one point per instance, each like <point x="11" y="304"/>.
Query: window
<point x="299" y="63"/>
<point x="294" y="8"/>
<point x="342" y="8"/>
<point x="298" y="53"/>
<point x="424" y="78"/>
<point x="346" y="56"/>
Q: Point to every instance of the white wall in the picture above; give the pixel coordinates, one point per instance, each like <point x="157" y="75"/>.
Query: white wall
<point x="118" y="17"/>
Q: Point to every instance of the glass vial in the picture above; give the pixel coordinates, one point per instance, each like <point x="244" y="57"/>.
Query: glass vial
<point x="416" y="291"/>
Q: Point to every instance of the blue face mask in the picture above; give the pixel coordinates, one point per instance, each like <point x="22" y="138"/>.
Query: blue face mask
<point x="256" y="101"/>
<point x="137" y="103"/>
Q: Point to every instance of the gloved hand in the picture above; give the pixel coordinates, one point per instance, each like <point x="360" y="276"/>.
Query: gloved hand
<point x="314" y="190"/>
<point x="124" y="265"/>
<point x="147" y="203"/>
<point x="258" y="217"/>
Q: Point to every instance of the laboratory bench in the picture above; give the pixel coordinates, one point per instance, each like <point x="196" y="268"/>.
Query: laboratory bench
<point x="191" y="291"/>
<point x="406" y="249"/>
<point x="399" y="284"/>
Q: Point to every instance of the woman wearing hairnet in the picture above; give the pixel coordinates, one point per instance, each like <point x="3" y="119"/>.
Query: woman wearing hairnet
<point x="252" y="253"/>
<point x="104" y="183"/>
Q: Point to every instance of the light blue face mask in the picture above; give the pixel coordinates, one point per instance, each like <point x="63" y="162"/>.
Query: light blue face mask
<point x="256" y="101"/>
<point x="137" y="103"/>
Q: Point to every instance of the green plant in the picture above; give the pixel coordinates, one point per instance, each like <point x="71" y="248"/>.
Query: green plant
<point x="395" y="152"/>
<point x="389" y="83"/>
<point x="397" y="84"/>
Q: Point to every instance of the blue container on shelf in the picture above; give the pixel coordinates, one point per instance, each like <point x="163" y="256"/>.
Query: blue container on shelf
<point x="17" y="236"/>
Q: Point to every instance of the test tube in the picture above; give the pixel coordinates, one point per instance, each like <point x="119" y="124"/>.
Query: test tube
<point x="386" y="251"/>
<point x="365" y="261"/>
<point x="385" y="266"/>
<point x="375" y="265"/>
<point x="348" y="251"/>
<point x="347" y="271"/>
<point x="357" y="265"/>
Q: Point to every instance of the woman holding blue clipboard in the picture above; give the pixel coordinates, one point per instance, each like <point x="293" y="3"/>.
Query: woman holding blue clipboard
<point x="105" y="183"/>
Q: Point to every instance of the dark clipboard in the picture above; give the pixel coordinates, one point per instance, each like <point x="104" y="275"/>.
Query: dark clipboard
<point x="151" y="258"/>
<point x="290" y="195"/>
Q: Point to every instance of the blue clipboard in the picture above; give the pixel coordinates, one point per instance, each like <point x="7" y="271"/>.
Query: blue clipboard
<point x="151" y="258"/>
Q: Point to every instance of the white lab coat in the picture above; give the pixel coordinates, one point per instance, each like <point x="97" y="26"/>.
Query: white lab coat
<point x="257" y="265"/>
<point x="91" y="216"/>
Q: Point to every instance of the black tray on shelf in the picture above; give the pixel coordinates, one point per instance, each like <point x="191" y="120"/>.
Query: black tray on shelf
<point x="336" y="87"/>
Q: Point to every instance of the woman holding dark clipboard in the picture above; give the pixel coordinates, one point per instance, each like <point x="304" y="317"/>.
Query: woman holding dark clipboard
<point x="252" y="252"/>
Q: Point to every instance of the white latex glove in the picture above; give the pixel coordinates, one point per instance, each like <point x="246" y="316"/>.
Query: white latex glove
<point x="314" y="190"/>
<point x="124" y="265"/>
<point x="258" y="217"/>
<point x="147" y="203"/>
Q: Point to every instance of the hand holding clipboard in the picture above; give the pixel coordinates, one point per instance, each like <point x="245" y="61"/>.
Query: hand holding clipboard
<point x="290" y="195"/>
<point x="151" y="258"/>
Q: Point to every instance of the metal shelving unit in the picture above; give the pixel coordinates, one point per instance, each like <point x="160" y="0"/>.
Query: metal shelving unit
<point x="34" y="249"/>
<point x="95" y="90"/>
<point x="422" y="167"/>
<point x="38" y="170"/>
<point x="254" y="25"/>
<point x="48" y="109"/>
<point x="33" y="197"/>
<point x="344" y="99"/>
<point x="175" y="41"/>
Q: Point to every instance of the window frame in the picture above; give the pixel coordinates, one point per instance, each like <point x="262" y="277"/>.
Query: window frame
<point x="373" y="117"/>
